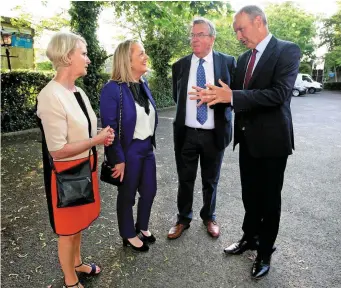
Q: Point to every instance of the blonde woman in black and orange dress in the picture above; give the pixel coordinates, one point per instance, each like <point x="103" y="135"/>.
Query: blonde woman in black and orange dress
<point x="66" y="131"/>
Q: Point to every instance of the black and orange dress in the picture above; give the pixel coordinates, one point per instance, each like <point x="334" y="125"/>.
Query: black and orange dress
<point x="63" y="121"/>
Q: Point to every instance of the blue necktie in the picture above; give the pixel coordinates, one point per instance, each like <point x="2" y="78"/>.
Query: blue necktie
<point x="201" y="81"/>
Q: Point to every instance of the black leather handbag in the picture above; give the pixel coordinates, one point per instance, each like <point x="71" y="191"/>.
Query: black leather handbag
<point x="74" y="185"/>
<point x="106" y="171"/>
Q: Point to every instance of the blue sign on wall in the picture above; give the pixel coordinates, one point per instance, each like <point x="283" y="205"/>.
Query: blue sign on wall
<point x="331" y="74"/>
<point x="23" y="41"/>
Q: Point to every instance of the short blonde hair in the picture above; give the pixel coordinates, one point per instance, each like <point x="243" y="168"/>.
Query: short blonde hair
<point x="60" y="46"/>
<point x="121" y="68"/>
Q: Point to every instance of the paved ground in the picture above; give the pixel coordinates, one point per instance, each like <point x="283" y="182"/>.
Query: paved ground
<point x="308" y="242"/>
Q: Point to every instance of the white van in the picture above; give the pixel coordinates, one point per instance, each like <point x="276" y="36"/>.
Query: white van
<point x="305" y="80"/>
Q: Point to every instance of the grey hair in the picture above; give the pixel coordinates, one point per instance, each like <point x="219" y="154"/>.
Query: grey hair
<point x="210" y="25"/>
<point x="253" y="11"/>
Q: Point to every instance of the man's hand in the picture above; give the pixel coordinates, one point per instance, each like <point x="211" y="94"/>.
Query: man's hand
<point x="212" y="95"/>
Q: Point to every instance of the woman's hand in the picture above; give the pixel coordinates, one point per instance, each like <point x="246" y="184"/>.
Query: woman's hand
<point x="119" y="171"/>
<point x="106" y="136"/>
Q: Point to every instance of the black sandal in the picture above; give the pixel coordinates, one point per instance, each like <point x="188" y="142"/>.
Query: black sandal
<point x="93" y="269"/>
<point x="69" y="286"/>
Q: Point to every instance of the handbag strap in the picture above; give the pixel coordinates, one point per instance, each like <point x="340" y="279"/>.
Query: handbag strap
<point x="83" y="107"/>
<point x="121" y="106"/>
<point x="120" y="130"/>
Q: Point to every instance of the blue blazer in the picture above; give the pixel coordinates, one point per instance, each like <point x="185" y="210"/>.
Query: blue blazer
<point x="110" y="114"/>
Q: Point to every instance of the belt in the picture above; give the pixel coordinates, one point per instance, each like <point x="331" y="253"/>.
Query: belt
<point x="199" y="129"/>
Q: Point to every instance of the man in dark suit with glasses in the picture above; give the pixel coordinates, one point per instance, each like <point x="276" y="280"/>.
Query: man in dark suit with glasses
<point x="200" y="133"/>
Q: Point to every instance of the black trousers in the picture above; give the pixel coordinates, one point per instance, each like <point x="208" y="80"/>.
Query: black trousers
<point x="262" y="182"/>
<point x="198" y="144"/>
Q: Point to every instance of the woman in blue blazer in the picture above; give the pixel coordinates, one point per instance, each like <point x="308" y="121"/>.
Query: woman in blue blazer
<point x="131" y="154"/>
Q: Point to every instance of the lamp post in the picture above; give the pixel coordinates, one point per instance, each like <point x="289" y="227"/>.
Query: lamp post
<point x="6" y="42"/>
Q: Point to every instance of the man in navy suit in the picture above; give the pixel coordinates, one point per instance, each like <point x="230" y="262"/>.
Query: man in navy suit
<point x="199" y="132"/>
<point x="261" y="96"/>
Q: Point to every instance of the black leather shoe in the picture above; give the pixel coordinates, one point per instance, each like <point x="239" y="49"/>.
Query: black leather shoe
<point x="260" y="267"/>
<point x="241" y="246"/>
<point x="149" y="239"/>
<point x="143" y="248"/>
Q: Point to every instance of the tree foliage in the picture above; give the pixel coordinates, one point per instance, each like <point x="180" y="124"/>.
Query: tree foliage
<point x="288" y="21"/>
<point x="331" y="37"/>
<point x="163" y="28"/>
<point x="40" y="23"/>
<point x="84" y="16"/>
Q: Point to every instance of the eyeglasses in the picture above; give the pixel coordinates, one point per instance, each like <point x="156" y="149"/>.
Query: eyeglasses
<point x="199" y="35"/>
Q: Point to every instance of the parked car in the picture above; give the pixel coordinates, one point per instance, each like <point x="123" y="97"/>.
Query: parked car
<point x="299" y="90"/>
<point x="305" y="80"/>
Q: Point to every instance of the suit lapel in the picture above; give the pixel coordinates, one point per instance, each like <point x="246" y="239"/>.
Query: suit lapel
<point x="217" y="68"/>
<point x="247" y="58"/>
<point x="184" y="75"/>
<point x="263" y="59"/>
<point x="186" y="67"/>
<point x="243" y="60"/>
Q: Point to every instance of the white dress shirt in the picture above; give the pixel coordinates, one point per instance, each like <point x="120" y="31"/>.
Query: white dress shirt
<point x="191" y="105"/>
<point x="260" y="49"/>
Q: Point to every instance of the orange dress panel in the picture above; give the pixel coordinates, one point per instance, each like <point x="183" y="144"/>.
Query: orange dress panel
<point x="71" y="220"/>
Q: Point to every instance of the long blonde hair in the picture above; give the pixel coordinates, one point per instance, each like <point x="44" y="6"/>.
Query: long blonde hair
<point x="121" y="68"/>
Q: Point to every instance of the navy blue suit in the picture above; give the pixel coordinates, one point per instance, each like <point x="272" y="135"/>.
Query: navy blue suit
<point x="263" y="128"/>
<point x="138" y="156"/>
<point x="192" y="144"/>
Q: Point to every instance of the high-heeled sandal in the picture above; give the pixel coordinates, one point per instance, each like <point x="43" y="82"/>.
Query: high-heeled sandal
<point x="143" y="248"/>
<point x="93" y="269"/>
<point x="69" y="286"/>
<point x="150" y="239"/>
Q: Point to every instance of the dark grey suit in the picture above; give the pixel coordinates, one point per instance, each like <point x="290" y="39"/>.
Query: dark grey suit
<point x="264" y="130"/>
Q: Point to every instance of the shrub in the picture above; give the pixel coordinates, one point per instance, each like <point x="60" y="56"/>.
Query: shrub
<point x="19" y="92"/>
<point x="332" y="86"/>
<point x="161" y="90"/>
<point x="44" y="66"/>
<point x="21" y="87"/>
<point x="18" y="97"/>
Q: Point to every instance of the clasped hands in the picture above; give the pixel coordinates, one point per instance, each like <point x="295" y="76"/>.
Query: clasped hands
<point x="212" y="94"/>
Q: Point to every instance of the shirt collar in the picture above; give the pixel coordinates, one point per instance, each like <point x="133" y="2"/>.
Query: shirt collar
<point x="262" y="45"/>
<point x="208" y="58"/>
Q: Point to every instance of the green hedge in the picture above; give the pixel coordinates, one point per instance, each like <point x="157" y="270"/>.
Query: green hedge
<point x="332" y="86"/>
<point x="161" y="90"/>
<point x="18" y="97"/>
<point x="20" y="89"/>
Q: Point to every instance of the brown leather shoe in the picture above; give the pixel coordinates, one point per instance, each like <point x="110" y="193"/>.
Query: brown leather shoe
<point x="176" y="231"/>
<point x="213" y="228"/>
